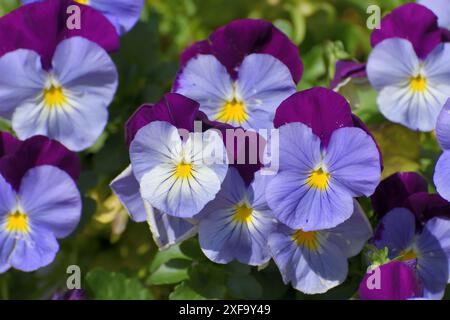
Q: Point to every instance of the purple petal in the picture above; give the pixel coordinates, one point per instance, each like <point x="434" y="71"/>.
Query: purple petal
<point x="443" y="127"/>
<point x="173" y="108"/>
<point x="41" y="26"/>
<point x="441" y="9"/>
<point x="397" y="281"/>
<point x="8" y="144"/>
<point x="426" y="206"/>
<point x="441" y="174"/>
<point x="413" y="22"/>
<point x="233" y="42"/>
<point x="395" y="189"/>
<point x="36" y="151"/>
<point x="75" y="294"/>
<point x="321" y="109"/>
<point x="347" y="69"/>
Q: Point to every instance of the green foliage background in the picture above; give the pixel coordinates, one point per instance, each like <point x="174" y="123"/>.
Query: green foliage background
<point x="117" y="257"/>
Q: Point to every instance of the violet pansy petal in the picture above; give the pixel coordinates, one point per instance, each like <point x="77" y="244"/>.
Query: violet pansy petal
<point x="396" y="231"/>
<point x="443" y="127"/>
<point x="41" y="26"/>
<point x="353" y="161"/>
<point x="126" y="188"/>
<point x="261" y="93"/>
<point x="441" y="9"/>
<point x="321" y="109"/>
<point x="441" y="173"/>
<point x="51" y="200"/>
<point x="347" y="70"/>
<point x="433" y="248"/>
<point x="397" y="281"/>
<point x="426" y="206"/>
<point x="173" y="108"/>
<point x="8" y="144"/>
<point x="22" y="79"/>
<point x="167" y="230"/>
<point x="38" y="250"/>
<point x="393" y="191"/>
<point x="413" y="22"/>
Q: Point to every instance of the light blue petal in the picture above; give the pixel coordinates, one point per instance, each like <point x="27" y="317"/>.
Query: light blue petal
<point x="392" y="63"/>
<point x="258" y="187"/>
<point x="205" y="80"/>
<point x="396" y="231"/>
<point x="51" y="199"/>
<point x="353" y="160"/>
<point x="7" y="199"/>
<point x="38" y="250"/>
<point x="22" y="79"/>
<point x="154" y="144"/>
<point x="433" y="259"/>
<point x="443" y="127"/>
<point x="7" y="243"/>
<point x="263" y="83"/>
<point x="352" y="235"/>
<point x="126" y="187"/>
<point x="123" y="14"/>
<point x="441" y="174"/>
<point x="89" y="80"/>
<point x="167" y="230"/>
<point x="441" y="9"/>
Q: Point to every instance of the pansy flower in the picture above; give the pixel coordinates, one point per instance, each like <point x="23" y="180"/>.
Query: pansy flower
<point x="241" y="74"/>
<point x="316" y="261"/>
<point x="39" y="201"/>
<point x="167" y="230"/>
<point x="394" y="280"/>
<point x="59" y="89"/>
<point x="123" y="14"/>
<point x="408" y="67"/>
<point x="442" y="169"/>
<point x="428" y="246"/>
<point x="322" y="167"/>
<point x="237" y="223"/>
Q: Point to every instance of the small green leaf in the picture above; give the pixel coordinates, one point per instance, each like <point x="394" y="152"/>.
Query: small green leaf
<point x="172" y="271"/>
<point x="244" y="287"/>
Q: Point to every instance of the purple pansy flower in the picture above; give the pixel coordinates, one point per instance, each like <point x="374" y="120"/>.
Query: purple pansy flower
<point x="228" y="74"/>
<point x="39" y="201"/>
<point x="74" y="294"/>
<point x="66" y="100"/>
<point x="237" y="223"/>
<point x="408" y="67"/>
<point x="123" y="14"/>
<point x="394" y="280"/>
<point x="429" y="246"/>
<point x="316" y="261"/>
<point x="346" y="71"/>
<point x="322" y="167"/>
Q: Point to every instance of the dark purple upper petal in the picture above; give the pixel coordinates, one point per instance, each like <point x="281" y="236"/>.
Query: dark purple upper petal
<point x="41" y="26"/>
<point x="393" y="191"/>
<point x="398" y="281"/>
<point x="347" y="69"/>
<point x="174" y="108"/>
<point x="8" y="144"/>
<point x="232" y="42"/>
<point x="36" y="151"/>
<point x="426" y="206"/>
<point x="319" y="108"/>
<point x="413" y="22"/>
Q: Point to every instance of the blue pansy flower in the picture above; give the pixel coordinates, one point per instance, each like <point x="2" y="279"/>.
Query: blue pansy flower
<point x="123" y="14"/>
<point x="237" y="223"/>
<point x="316" y="261"/>
<point x="428" y="246"/>
<point x="315" y="185"/>
<point x="442" y="169"/>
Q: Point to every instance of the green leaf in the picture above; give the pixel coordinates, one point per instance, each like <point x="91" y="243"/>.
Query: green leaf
<point x="106" y="285"/>
<point x="165" y="256"/>
<point x="184" y="292"/>
<point x="172" y="271"/>
<point x="244" y="287"/>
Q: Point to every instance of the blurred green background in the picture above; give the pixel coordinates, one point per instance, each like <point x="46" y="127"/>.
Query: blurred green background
<point x="117" y="257"/>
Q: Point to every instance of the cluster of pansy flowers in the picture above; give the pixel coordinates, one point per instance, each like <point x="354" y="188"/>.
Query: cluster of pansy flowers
<point x="302" y="214"/>
<point x="56" y="85"/>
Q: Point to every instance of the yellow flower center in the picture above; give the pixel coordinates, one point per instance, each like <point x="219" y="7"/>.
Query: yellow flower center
<point x="318" y="179"/>
<point x="406" y="255"/>
<point x="233" y="112"/>
<point x="17" y="222"/>
<point x="243" y="213"/>
<point x="54" y="97"/>
<point x="183" y="171"/>
<point x="418" y="84"/>
<point x="82" y="1"/>
<point x="306" y="239"/>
